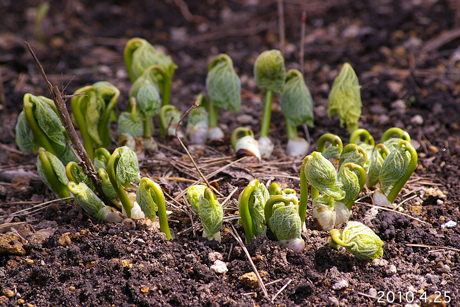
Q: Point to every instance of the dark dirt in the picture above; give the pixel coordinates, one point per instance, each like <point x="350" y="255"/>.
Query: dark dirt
<point x="59" y="256"/>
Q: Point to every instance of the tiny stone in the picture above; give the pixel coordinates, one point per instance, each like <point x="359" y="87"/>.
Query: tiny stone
<point x="379" y="262"/>
<point x="8" y="293"/>
<point x="72" y="288"/>
<point x="29" y="305"/>
<point x="439" y="202"/>
<point x="449" y="224"/>
<point x="391" y="270"/>
<point x="219" y="267"/>
<point x="384" y="119"/>
<point x="340" y="285"/>
<point x="432" y="279"/>
<point x="417" y="120"/>
<point x="21" y="301"/>
<point x="245" y="119"/>
<point x="249" y="280"/>
<point x="213" y="256"/>
<point x="139" y="241"/>
<point x="30" y="261"/>
<point x="378" y="110"/>
<point x="398" y="105"/>
<point x="373" y="292"/>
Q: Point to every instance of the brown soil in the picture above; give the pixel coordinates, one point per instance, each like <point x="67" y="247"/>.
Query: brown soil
<point x="59" y="256"/>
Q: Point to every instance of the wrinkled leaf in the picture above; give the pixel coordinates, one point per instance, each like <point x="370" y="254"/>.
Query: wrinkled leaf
<point x="128" y="126"/>
<point x="358" y="239"/>
<point x="322" y="176"/>
<point x="345" y="97"/>
<point x="285" y="222"/>
<point x="269" y="71"/>
<point x="147" y="199"/>
<point x="193" y="194"/>
<point x="127" y="167"/>
<point x="148" y="100"/>
<point x="211" y="214"/>
<point x="350" y="184"/>
<point x="24" y="136"/>
<point x="394" y="167"/>
<point x="58" y="168"/>
<point x="146" y="55"/>
<point x="223" y="85"/>
<point x="296" y="101"/>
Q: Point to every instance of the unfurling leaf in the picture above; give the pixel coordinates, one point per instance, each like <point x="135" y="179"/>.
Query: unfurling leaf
<point x="296" y="101"/>
<point x="148" y="100"/>
<point x="89" y="201"/>
<point x="394" y="167"/>
<point x="269" y="71"/>
<point x="223" y="84"/>
<point x="24" y="136"/>
<point x="127" y="167"/>
<point x="211" y="214"/>
<point x="345" y="98"/>
<point x="193" y="194"/>
<point x="51" y="171"/>
<point x="129" y="126"/>
<point x="322" y="175"/>
<point x="358" y="239"/>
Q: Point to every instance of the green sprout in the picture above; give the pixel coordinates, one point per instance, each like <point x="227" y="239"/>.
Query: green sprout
<point x="89" y="201"/>
<point x="52" y="172"/>
<point x="224" y="91"/>
<point x="334" y="150"/>
<point x="282" y="216"/>
<point x="39" y="125"/>
<point x="367" y="143"/>
<point x="131" y="129"/>
<point x="198" y="123"/>
<point x="339" y="189"/>
<point x="123" y="169"/>
<point x="345" y="98"/>
<point x="145" y="91"/>
<point x="392" y="143"/>
<point x="297" y="106"/>
<point x="245" y="146"/>
<point x="251" y="206"/>
<point x="139" y="55"/>
<point x="151" y="199"/>
<point x="76" y="174"/>
<point x="101" y="158"/>
<point x="270" y="75"/>
<point x="396" y="169"/>
<point x="169" y="121"/>
<point x="211" y="214"/>
<point x="92" y="108"/>
<point x="359" y="240"/>
<point x="193" y="194"/>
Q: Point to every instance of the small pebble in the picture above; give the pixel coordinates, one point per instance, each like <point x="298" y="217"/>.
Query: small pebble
<point x="399" y="105"/>
<point x="340" y="285"/>
<point x="391" y="270"/>
<point x="213" y="256"/>
<point x="245" y="119"/>
<point x="219" y="267"/>
<point x="439" y="202"/>
<point x="8" y="293"/>
<point x="72" y="288"/>
<point x="449" y="224"/>
<point x="64" y="240"/>
<point x="249" y="280"/>
<point x="417" y="120"/>
<point x="373" y="292"/>
<point x="21" y="301"/>
<point x="379" y="262"/>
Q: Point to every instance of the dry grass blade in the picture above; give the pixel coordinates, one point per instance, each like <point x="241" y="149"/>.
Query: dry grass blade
<point x="37" y="208"/>
<point x="16" y="223"/>
<point x="240" y="242"/>
<point x="228" y="197"/>
<point x="433" y="246"/>
<point x="281" y="290"/>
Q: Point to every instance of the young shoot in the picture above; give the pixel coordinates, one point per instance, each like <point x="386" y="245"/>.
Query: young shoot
<point x="339" y="189"/>
<point x="198" y="123"/>
<point x="92" y="205"/>
<point x="76" y="174"/>
<point x="123" y="169"/>
<point x="359" y="240"/>
<point x="140" y="55"/>
<point x="131" y="129"/>
<point x="334" y="150"/>
<point x="101" y="158"/>
<point x="193" y="194"/>
<point x="52" y="172"/>
<point x="251" y="206"/>
<point x="169" y="121"/>
<point x="92" y="108"/>
<point x="211" y="214"/>
<point x="151" y="199"/>
<point x="270" y="75"/>
<point x="245" y="146"/>
<point x="145" y="91"/>
<point x="363" y="139"/>
<point x="224" y="90"/>
<point x="396" y="169"/>
<point x="345" y="98"/>
<point x="39" y="125"/>
<point x="282" y="216"/>
<point x="297" y="107"/>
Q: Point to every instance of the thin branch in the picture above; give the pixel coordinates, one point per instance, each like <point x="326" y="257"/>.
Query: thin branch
<point x="302" y="41"/>
<point x="77" y="146"/>
<point x="433" y="246"/>
<point x="240" y="242"/>
<point x="281" y="25"/>
<point x="281" y="290"/>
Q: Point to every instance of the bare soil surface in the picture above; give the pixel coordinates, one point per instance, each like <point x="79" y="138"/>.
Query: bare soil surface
<point x="405" y="54"/>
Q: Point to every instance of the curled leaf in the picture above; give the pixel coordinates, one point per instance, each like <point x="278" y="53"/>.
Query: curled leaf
<point x="269" y="71"/>
<point x="127" y="167"/>
<point x="223" y="84"/>
<point x="358" y="239"/>
<point x="24" y="135"/>
<point x="296" y="101"/>
<point x="345" y="98"/>
<point x="211" y="214"/>
<point x="193" y="194"/>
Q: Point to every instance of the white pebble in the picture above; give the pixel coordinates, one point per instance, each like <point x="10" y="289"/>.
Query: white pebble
<point x="340" y="285"/>
<point x="449" y="224"/>
<point x="416" y="120"/>
<point x="219" y="267"/>
<point x="391" y="270"/>
<point x="213" y="256"/>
